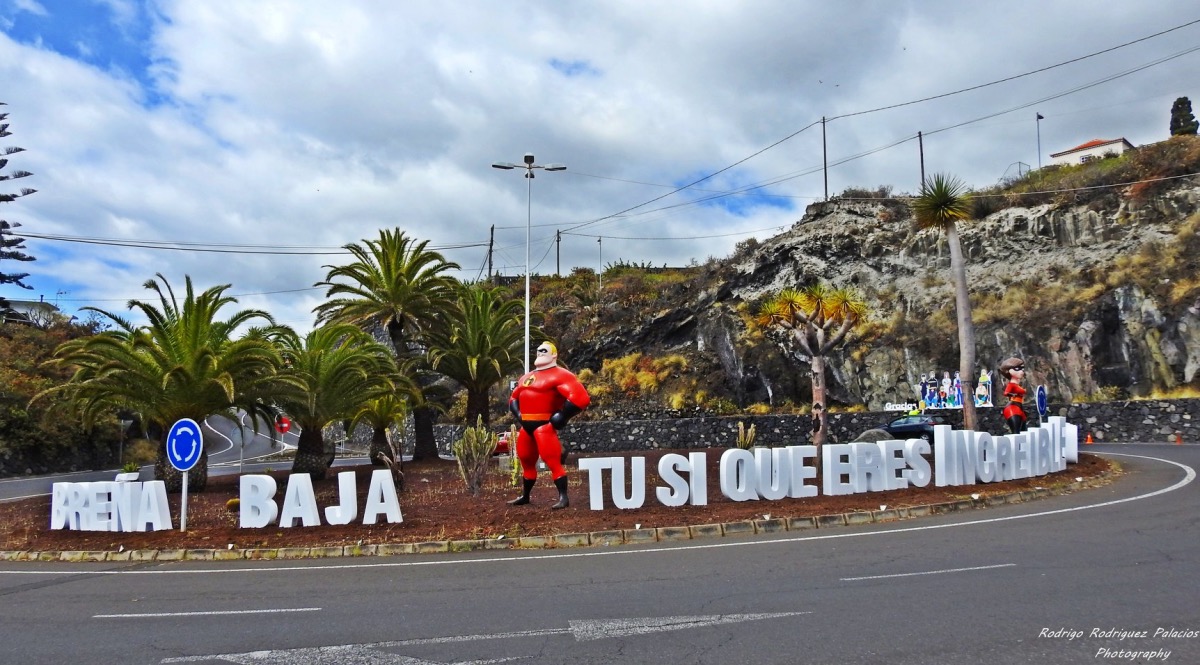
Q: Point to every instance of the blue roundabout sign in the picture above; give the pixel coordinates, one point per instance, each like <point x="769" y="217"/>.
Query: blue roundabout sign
<point x="185" y="443"/>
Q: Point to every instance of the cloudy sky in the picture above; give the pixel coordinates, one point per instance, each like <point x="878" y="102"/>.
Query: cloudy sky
<point x="255" y="139"/>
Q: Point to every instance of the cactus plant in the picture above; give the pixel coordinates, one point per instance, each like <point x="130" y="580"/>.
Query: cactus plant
<point x="474" y="452"/>
<point x="745" y="437"/>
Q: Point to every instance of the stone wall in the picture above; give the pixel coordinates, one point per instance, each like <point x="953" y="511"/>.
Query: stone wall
<point x="1142" y="421"/>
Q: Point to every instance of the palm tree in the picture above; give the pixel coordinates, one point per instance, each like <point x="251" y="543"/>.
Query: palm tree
<point x="820" y="318"/>
<point x="479" y="345"/>
<point x="336" y="368"/>
<point x="184" y="363"/>
<point x="943" y="203"/>
<point x="396" y="284"/>
<point x="380" y="414"/>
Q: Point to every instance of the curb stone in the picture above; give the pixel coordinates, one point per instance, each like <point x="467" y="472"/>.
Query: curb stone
<point x="594" y="539"/>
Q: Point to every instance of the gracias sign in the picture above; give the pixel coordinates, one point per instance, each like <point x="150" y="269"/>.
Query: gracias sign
<point x="960" y="457"/>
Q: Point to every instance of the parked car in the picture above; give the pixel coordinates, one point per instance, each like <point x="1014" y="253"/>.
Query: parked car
<point x="914" y="427"/>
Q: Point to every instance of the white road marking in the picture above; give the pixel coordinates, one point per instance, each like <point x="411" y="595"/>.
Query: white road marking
<point x="584" y="630"/>
<point x="156" y="615"/>
<point x="324" y="569"/>
<point x="927" y="572"/>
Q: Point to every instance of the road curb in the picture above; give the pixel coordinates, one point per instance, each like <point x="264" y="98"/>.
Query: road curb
<point x="595" y="539"/>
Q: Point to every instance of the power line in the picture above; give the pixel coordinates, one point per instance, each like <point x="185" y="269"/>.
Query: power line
<point x="221" y="248"/>
<point x="1017" y="76"/>
<point x="908" y="103"/>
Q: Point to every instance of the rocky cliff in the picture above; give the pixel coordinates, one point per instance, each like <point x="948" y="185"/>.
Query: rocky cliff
<point x="1101" y="300"/>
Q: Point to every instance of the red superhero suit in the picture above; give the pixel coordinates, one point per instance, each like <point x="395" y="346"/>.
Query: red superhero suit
<point x="1014" y="413"/>
<point x="543" y="401"/>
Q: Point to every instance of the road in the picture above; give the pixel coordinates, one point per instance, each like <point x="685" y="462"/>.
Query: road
<point x="1080" y="578"/>
<point x="223" y="439"/>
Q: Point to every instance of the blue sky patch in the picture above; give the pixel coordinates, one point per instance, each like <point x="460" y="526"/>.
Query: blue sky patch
<point x="574" y="68"/>
<point x="89" y="31"/>
<point x="726" y="194"/>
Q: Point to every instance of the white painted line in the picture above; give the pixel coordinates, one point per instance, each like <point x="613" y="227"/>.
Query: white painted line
<point x="1189" y="476"/>
<point x="584" y="630"/>
<point x="927" y="572"/>
<point x="214" y="431"/>
<point x="156" y="615"/>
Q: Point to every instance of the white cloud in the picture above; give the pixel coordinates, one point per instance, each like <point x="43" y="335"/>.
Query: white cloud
<point x="315" y="124"/>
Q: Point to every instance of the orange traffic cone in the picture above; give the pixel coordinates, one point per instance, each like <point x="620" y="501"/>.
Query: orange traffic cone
<point x="1088" y="441"/>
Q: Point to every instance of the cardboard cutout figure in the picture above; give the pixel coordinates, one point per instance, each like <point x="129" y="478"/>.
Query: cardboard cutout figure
<point x="1012" y="371"/>
<point x="543" y="401"/>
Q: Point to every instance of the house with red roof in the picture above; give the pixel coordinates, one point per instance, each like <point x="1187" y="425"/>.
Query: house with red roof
<point x="1094" y="149"/>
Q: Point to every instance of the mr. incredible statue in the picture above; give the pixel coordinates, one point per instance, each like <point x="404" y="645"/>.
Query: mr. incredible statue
<point x="543" y="401"/>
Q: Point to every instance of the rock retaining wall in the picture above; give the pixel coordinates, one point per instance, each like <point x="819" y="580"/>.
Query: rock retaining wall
<point x="1143" y="421"/>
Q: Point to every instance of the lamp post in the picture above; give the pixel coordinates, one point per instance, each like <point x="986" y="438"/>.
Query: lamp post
<point x="529" y="166"/>
<point x="124" y="424"/>
<point x="1040" y="117"/>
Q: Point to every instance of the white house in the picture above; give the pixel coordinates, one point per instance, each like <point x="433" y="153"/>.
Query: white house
<point x="26" y="311"/>
<point x="1094" y="149"/>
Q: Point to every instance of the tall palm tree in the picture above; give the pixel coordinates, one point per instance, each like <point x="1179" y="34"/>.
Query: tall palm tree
<point x="396" y="284"/>
<point x="480" y="344"/>
<point x="942" y="204"/>
<point x="336" y="368"/>
<point x="183" y="363"/>
<point x="820" y="319"/>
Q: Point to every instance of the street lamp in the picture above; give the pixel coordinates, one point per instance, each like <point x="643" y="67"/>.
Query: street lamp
<point x="124" y="424"/>
<point x="529" y="166"/>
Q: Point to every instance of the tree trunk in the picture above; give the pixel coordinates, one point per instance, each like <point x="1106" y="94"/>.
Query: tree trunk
<point x="197" y="477"/>
<point x="311" y="457"/>
<point x="818" y="395"/>
<point x="380" y="448"/>
<point x="424" y="446"/>
<point x="477" y="406"/>
<point x="966" y="328"/>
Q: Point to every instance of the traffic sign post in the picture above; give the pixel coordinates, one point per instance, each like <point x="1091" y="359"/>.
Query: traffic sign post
<point x="185" y="444"/>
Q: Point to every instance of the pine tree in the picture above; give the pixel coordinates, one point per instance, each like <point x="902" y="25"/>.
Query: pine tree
<point x="1182" y="120"/>
<point x="10" y="244"/>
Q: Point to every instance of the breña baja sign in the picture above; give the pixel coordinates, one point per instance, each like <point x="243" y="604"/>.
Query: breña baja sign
<point x="960" y="457"/>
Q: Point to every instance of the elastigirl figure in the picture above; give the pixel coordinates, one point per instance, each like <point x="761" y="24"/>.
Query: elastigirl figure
<point x="543" y="401"/>
<point x="1012" y="371"/>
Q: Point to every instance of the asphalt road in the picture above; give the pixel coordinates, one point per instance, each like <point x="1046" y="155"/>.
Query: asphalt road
<point x="230" y="447"/>
<point x="1081" y="578"/>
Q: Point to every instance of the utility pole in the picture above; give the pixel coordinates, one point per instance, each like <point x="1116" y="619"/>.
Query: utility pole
<point x="491" y="240"/>
<point x="824" y="158"/>
<point x="558" y="253"/>
<point x="600" y="271"/>
<point x="921" y="148"/>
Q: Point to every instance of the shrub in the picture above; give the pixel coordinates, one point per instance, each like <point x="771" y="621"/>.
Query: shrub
<point x="141" y="452"/>
<point x="745" y="437"/>
<point x="474" y="452"/>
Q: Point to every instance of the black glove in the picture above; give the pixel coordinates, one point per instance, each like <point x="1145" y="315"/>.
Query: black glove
<point x="515" y="408"/>
<point x="568" y="411"/>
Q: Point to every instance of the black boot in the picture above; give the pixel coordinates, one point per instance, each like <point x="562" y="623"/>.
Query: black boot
<point x="561" y="484"/>
<point x="524" y="498"/>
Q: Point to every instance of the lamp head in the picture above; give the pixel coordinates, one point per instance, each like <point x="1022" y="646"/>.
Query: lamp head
<point x="529" y="158"/>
